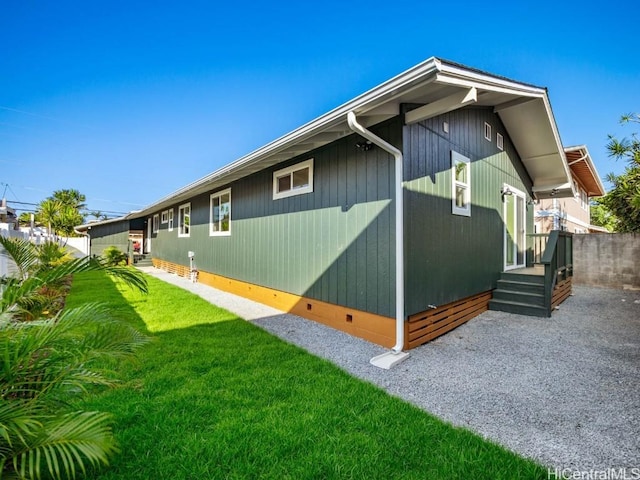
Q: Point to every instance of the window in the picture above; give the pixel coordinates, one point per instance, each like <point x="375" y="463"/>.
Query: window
<point x="584" y="199"/>
<point x="294" y="180"/>
<point x="156" y="224"/>
<point x="499" y="141"/>
<point x="487" y="131"/>
<point x="184" y="220"/>
<point x="170" y="220"/>
<point x="163" y="217"/>
<point x="460" y="184"/>
<point x="220" y="213"/>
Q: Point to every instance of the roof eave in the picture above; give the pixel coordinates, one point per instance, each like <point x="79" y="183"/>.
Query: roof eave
<point x="527" y="101"/>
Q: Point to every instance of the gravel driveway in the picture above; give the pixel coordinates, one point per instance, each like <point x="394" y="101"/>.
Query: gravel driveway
<point x="562" y="390"/>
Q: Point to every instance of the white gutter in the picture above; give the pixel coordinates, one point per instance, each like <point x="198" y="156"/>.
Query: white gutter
<point x="396" y="355"/>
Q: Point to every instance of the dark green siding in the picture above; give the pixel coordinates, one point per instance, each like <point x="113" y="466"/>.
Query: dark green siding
<point x="449" y="257"/>
<point x="103" y="236"/>
<point x="335" y="244"/>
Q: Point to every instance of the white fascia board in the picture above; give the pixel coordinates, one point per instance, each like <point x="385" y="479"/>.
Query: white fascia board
<point x="86" y="226"/>
<point x="485" y="78"/>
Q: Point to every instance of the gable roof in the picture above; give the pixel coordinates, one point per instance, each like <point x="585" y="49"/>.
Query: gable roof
<point x="441" y="86"/>
<point x="584" y="170"/>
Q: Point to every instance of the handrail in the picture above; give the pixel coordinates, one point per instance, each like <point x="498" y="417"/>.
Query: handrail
<point x="538" y="242"/>
<point x="558" y="261"/>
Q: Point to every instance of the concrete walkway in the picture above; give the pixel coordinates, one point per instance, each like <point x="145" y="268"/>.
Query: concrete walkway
<point x="563" y="390"/>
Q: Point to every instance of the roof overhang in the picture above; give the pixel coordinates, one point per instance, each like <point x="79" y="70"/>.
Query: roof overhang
<point x="583" y="169"/>
<point x="440" y="86"/>
<point x="87" y="226"/>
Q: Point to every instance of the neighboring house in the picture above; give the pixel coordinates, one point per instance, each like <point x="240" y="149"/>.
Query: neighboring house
<point x="392" y="217"/>
<point x="572" y="214"/>
<point x="8" y="217"/>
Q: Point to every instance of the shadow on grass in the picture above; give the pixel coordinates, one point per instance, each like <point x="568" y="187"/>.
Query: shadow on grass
<point x="217" y="397"/>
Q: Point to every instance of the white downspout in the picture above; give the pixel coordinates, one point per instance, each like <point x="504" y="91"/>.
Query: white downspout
<point x="396" y="355"/>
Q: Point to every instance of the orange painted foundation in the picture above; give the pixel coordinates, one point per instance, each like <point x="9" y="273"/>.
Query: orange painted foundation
<point x="377" y="329"/>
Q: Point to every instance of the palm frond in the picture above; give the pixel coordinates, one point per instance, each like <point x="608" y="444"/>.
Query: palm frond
<point x="130" y="276"/>
<point x="22" y="252"/>
<point x="17" y="421"/>
<point x="66" y="444"/>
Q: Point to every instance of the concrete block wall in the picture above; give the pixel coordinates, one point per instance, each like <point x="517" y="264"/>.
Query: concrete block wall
<point x="607" y="260"/>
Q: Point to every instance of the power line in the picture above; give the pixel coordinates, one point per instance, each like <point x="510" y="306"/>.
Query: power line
<point x="86" y="210"/>
<point x="21" y="203"/>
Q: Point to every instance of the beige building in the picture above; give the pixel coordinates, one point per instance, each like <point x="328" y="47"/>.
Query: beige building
<point x="572" y="214"/>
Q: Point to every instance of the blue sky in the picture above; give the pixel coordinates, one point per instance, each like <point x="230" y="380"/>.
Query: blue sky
<point x="129" y="101"/>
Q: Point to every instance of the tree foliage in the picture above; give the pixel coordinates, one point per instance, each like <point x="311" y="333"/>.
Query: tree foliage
<point x="623" y="200"/>
<point x="47" y="363"/>
<point x="61" y="212"/>
<point x="601" y="216"/>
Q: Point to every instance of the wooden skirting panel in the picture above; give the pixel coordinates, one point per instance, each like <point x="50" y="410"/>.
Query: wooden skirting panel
<point x="374" y="328"/>
<point x="425" y="326"/>
<point x="180" y="270"/>
<point x="561" y="292"/>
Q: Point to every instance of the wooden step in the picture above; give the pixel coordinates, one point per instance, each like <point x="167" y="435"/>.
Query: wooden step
<point x="518" y="308"/>
<point x="526" y="298"/>
<point x="522" y="277"/>
<point x="528" y="287"/>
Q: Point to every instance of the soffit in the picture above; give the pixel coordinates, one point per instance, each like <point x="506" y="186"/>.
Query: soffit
<point x="583" y="169"/>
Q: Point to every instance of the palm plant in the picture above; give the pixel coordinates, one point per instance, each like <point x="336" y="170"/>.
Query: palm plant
<point x="48" y="363"/>
<point x="47" y="213"/>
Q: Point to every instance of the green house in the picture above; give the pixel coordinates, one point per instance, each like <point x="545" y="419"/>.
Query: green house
<point x="394" y="217"/>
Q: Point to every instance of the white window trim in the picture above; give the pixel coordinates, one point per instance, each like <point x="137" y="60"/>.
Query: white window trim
<point x="156" y="223"/>
<point x="213" y="233"/>
<point x="487" y="131"/>
<point x="499" y="141"/>
<point x="180" y="230"/>
<point x="297" y="191"/>
<point x="170" y="219"/>
<point x="163" y="217"/>
<point x="457" y="158"/>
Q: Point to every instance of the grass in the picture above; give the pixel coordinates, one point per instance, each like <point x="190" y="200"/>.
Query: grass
<point x="213" y="396"/>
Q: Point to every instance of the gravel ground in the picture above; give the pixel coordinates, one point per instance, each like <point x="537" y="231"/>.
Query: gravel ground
<point x="563" y="390"/>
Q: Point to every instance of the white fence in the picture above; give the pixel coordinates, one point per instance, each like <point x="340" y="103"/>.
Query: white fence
<point x="79" y="246"/>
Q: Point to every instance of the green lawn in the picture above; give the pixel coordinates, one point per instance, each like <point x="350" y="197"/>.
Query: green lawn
<point x="213" y="396"/>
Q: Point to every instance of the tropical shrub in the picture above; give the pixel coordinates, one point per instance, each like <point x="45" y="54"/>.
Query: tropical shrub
<point x="47" y="363"/>
<point x="113" y="256"/>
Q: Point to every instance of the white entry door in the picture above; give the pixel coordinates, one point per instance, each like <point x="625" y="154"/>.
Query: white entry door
<point x="515" y="228"/>
<point x="147" y="244"/>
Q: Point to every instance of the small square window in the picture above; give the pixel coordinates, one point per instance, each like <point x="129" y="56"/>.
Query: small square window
<point x="164" y="217"/>
<point x="499" y="141"/>
<point x="294" y="180"/>
<point x="487" y="131"/>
